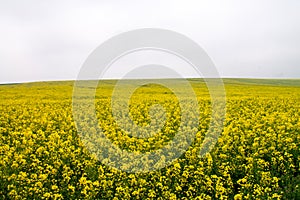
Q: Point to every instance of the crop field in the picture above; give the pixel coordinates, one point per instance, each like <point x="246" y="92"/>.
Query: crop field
<point x="257" y="155"/>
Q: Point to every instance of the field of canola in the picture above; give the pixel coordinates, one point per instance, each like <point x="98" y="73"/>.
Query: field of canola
<point x="257" y="155"/>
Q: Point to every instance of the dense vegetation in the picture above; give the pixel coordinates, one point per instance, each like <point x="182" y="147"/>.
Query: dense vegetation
<point x="256" y="157"/>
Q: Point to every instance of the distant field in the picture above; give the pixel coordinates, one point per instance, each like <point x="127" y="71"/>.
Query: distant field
<point x="257" y="155"/>
<point x="274" y="82"/>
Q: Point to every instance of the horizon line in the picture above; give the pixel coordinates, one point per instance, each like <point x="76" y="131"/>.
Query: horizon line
<point x="133" y="78"/>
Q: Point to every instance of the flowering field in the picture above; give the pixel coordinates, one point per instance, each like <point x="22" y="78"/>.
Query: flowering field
<point x="257" y="155"/>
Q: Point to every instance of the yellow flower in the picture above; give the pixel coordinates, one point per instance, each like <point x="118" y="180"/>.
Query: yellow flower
<point x="43" y="176"/>
<point x="238" y="197"/>
<point x="71" y="187"/>
<point x="47" y="195"/>
<point x="54" y="187"/>
<point x="39" y="184"/>
<point x="82" y="181"/>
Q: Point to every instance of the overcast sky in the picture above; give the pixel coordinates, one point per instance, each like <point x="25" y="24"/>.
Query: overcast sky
<point x="50" y="40"/>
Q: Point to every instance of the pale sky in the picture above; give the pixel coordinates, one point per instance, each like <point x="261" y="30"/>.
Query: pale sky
<point x="50" y="40"/>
